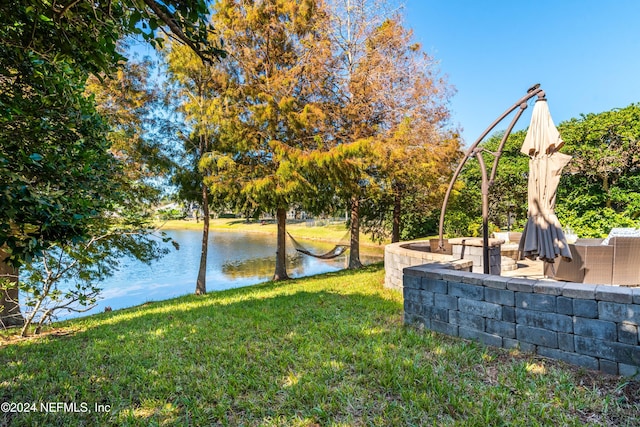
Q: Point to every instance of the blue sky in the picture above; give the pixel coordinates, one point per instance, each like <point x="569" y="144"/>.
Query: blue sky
<point x="584" y="53"/>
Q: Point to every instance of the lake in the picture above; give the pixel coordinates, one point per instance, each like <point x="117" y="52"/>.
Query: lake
<point x="234" y="259"/>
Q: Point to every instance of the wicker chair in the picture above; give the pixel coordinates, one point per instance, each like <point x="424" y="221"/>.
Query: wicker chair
<point x="616" y="263"/>
<point x="626" y="260"/>
<point x="515" y="236"/>
<point x="508" y="236"/>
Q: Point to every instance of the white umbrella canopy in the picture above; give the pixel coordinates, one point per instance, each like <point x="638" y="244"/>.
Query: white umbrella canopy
<point x="543" y="237"/>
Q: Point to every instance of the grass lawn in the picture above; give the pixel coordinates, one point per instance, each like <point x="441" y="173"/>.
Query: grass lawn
<point x="329" y="350"/>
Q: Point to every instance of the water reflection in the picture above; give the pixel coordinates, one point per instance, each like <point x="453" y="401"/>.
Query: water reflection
<point x="261" y="267"/>
<point x="234" y="259"/>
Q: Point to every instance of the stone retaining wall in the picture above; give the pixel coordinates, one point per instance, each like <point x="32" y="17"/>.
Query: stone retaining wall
<point x="595" y="326"/>
<point x="398" y="256"/>
<point x="471" y="248"/>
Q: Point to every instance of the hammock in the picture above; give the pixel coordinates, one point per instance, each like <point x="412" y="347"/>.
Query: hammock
<point x="338" y="250"/>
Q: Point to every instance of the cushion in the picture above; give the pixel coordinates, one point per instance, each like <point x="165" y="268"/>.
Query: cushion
<point x="621" y="232"/>
<point x="502" y="236"/>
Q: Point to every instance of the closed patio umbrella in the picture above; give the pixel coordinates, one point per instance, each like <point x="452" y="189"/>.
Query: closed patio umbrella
<point x="543" y="237"/>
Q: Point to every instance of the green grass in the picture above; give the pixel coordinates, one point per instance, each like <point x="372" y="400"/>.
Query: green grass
<point x="328" y="350"/>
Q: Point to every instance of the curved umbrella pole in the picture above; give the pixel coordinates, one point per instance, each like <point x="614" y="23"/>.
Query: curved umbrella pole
<point x="486" y="181"/>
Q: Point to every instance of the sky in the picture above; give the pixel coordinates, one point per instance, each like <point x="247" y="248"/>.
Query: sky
<point x="584" y="53"/>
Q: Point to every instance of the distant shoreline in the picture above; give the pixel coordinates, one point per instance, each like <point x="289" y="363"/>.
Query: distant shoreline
<point x="334" y="232"/>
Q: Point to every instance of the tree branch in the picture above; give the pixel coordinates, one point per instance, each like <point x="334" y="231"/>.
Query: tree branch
<point x="175" y="29"/>
<point x="67" y="7"/>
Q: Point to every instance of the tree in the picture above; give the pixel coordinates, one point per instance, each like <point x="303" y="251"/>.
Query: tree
<point x="414" y="166"/>
<point x="86" y="33"/>
<point x="507" y="194"/>
<point x="130" y="100"/>
<point x="357" y="116"/>
<point x="600" y="189"/>
<point x="53" y="152"/>
<point x="415" y="152"/>
<point x="82" y="198"/>
<point x="270" y="107"/>
<point x="66" y="276"/>
<point x="197" y="88"/>
<point x="388" y="86"/>
<point x="53" y="161"/>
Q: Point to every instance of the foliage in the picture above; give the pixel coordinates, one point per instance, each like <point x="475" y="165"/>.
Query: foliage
<point x="597" y="191"/>
<point x="269" y="107"/>
<point x="53" y="153"/>
<point x="507" y="195"/>
<point x="415" y="222"/>
<point x="66" y="276"/>
<point x="328" y="350"/>
<point x="392" y="96"/>
<point x="171" y="214"/>
<point x="130" y="100"/>
<point x="84" y="35"/>
<point x="191" y="87"/>
<point x="415" y="168"/>
<point x="56" y="174"/>
<point x="87" y="209"/>
<point x="272" y="80"/>
<point x="298" y="117"/>
<point x="464" y="211"/>
<point x="600" y="190"/>
<point x="196" y="87"/>
<point x="54" y="163"/>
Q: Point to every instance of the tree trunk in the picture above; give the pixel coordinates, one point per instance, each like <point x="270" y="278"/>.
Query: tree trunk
<point x="354" y="246"/>
<point x="605" y="187"/>
<point x="10" y="314"/>
<point x="281" y="251"/>
<point x="201" y="283"/>
<point x="397" y="209"/>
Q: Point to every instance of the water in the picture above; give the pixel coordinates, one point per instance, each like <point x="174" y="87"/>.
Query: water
<point x="234" y="260"/>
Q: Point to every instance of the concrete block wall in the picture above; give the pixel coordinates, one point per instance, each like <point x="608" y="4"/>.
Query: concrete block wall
<point x="476" y="255"/>
<point x="594" y="326"/>
<point x="398" y="256"/>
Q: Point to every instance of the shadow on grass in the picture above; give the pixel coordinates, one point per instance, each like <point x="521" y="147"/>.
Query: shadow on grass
<point x="247" y="352"/>
<point x="323" y="350"/>
<point x="261" y="291"/>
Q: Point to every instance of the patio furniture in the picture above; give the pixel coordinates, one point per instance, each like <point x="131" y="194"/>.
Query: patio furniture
<point x="617" y="263"/>
<point x="626" y="260"/>
<point x="507" y="236"/>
